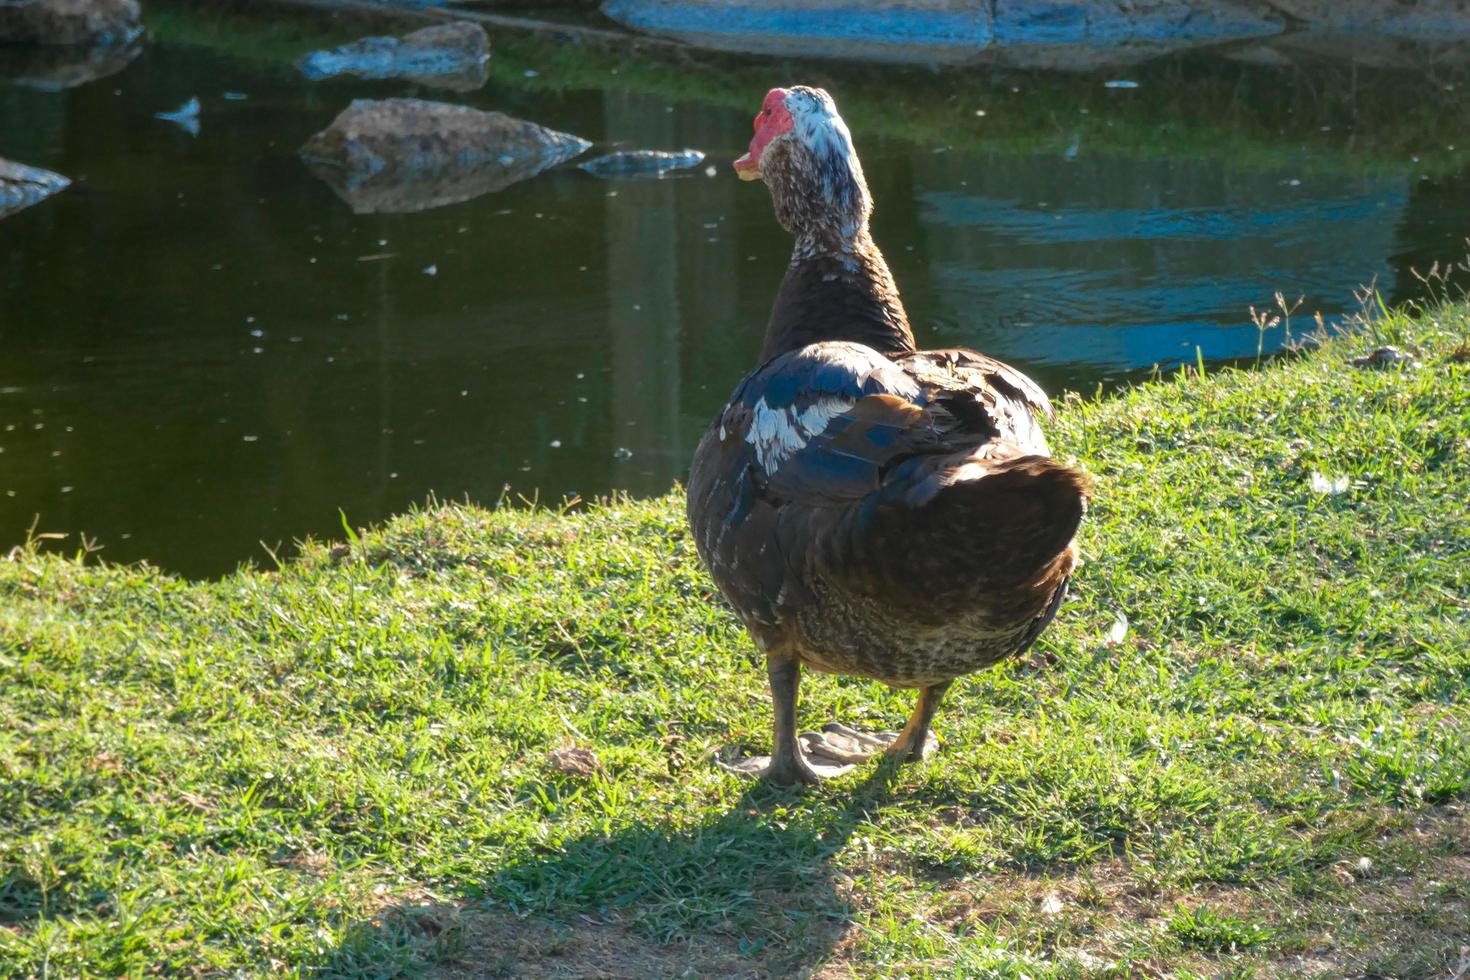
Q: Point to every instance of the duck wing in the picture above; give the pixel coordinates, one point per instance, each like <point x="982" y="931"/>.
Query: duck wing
<point x="990" y="394"/>
<point x="821" y="448"/>
<point x="809" y="429"/>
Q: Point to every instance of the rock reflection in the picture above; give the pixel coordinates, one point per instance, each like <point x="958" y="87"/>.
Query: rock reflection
<point x="21" y="186"/>
<point x="55" y="68"/>
<point x="644" y="315"/>
<point x="390" y="193"/>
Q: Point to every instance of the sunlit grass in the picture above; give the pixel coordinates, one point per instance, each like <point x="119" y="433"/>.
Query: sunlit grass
<point x="343" y="765"/>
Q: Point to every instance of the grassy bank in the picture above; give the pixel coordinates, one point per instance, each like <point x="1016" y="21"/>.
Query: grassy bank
<point x="345" y="766"/>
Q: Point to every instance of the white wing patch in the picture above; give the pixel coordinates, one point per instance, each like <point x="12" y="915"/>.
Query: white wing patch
<point x="776" y="433"/>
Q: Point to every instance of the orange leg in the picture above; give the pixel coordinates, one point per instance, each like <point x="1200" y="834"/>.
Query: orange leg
<point x="909" y="746"/>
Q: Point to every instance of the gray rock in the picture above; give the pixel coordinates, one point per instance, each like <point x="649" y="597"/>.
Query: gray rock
<point x="642" y="163"/>
<point x="22" y="186"/>
<point x="1021" y="22"/>
<point x="1067" y="34"/>
<point x="453" y="56"/>
<point x="1062" y="34"/>
<point x="1424" y="20"/>
<point x="70" y="22"/>
<point x="904" y="31"/>
<point x="1086" y="34"/>
<point x="409" y="155"/>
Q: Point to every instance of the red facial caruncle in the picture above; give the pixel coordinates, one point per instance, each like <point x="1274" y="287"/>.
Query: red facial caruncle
<point x="774" y="119"/>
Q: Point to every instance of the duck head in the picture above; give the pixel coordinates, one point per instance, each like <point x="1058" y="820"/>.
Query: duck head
<point x="803" y="151"/>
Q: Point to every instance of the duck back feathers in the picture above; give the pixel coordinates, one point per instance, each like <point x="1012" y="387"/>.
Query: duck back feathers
<point x="918" y="487"/>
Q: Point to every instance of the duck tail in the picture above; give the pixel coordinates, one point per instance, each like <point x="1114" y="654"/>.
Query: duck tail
<point x="965" y="528"/>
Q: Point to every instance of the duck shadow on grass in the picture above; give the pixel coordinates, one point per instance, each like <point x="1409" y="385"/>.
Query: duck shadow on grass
<point x="748" y="893"/>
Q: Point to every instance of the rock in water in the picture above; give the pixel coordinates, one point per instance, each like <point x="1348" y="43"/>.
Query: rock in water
<point x="908" y="31"/>
<point x="1064" y="34"/>
<point x="642" y="163"/>
<point x="409" y="155"/>
<point x="452" y="56"/>
<point x="22" y="186"/>
<point x="70" y="22"/>
<point x="1426" y="20"/>
<point x="1080" y="35"/>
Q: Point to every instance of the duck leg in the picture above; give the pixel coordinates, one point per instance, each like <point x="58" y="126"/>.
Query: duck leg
<point x="913" y="743"/>
<point x="788" y="764"/>
<point x="793" y="759"/>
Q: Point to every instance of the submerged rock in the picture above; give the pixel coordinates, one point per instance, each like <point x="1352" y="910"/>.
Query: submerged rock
<point x="1062" y="34"/>
<point x="1080" y="35"/>
<point x="70" y="22"/>
<point x="54" y="68"/>
<point x="22" y="186"/>
<point x="410" y="155"/>
<point x="453" y="56"/>
<point x="642" y="163"/>
<point x="942" y="31"/>
<point x="1424" y="20"/>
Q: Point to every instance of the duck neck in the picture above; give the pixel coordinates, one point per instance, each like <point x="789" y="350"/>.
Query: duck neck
<point x="837" y="287"/>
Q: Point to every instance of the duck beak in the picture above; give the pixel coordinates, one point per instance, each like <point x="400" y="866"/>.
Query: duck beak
<point x="747" y="167"/>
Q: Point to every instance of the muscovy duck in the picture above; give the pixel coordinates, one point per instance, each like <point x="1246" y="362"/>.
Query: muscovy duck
<point x="868" y="508"/>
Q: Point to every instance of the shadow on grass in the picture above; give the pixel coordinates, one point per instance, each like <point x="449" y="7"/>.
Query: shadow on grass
<point x="750" y="892"/>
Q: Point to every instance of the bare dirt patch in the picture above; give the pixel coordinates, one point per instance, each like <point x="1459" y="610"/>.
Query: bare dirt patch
<point x="1403" y="912"/>
<point x="484" y="944"/>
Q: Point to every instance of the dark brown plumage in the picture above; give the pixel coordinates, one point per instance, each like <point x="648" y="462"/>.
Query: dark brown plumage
<point x="865" y="507"/>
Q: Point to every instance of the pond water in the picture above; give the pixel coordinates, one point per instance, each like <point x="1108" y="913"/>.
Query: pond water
<point x="205" y="350"/>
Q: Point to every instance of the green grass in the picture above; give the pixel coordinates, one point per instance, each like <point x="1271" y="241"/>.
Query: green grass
<point x="342" y="766"/>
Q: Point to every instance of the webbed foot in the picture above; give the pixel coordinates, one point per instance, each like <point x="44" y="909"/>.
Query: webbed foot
<point x="834" y="751"/>
<point x="837" y="741"/>
<point x="803" y="766"/>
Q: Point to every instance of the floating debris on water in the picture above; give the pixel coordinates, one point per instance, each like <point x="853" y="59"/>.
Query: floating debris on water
<point x="643" y="163"/>
<point x="186" y="116"/>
